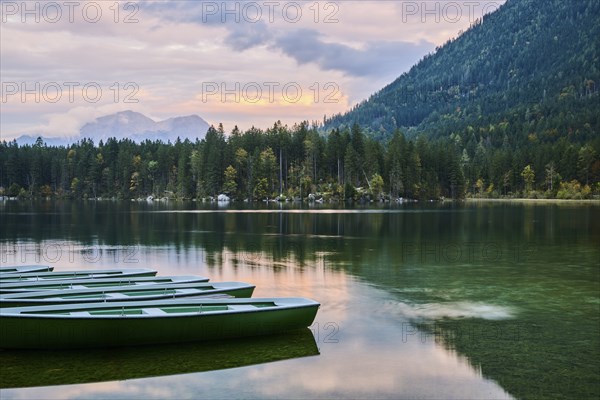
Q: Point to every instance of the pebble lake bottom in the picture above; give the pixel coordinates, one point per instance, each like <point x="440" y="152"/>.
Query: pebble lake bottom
<point x="454" y="301"/>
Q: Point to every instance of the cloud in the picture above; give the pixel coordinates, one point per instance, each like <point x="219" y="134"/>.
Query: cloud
<point x="304" y="45"/>
<point x="374" y="59"/>
<point x="244" y="36"/>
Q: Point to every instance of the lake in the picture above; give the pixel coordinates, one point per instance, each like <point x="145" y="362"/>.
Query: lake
<point x="420" y="300"/>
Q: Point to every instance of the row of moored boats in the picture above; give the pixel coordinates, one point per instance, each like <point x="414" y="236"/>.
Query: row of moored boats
<point x="43" y="309"/>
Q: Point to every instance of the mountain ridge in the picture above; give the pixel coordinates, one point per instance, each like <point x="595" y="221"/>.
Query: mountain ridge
<point x="130" y="125"/>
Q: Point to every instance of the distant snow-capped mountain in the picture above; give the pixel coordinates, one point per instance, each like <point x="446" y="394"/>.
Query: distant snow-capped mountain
<point x="131" y="125"/>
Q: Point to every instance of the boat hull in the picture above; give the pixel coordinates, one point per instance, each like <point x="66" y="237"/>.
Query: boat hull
<point x="18" y="331"/>
<point x="150" y="292"/>
<point x="63" y="275"/>
<point x="67" y="284"/>
<point x="25" y="269"/>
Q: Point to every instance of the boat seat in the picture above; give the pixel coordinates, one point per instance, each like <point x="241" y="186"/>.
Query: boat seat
<point x="117" y="295"/>
<point x="154" y="311"/>
<point x="241" y="307"/>
<point x="215" y="296"/>
<point x="189" y="291"/>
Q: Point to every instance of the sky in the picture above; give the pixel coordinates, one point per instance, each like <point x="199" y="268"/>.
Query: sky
<point x="244" y="63"/>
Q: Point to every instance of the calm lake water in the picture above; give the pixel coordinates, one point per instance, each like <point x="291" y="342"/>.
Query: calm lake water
<point x="475" y="300"/>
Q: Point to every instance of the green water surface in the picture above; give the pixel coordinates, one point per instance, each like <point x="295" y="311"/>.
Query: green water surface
<point x="471" y="300"/>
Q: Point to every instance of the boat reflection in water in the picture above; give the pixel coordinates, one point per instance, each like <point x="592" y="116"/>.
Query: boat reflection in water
<point x="19" y="369"/>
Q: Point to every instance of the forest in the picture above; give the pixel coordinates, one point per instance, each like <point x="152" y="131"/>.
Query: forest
<point x="300" y="162"/>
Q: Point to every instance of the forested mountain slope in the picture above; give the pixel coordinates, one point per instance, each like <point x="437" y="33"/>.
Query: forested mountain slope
<point x="532" y="63"/>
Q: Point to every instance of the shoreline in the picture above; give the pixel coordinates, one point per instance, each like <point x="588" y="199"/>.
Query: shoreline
<point x="532" y="201"/>
<point x="466" y="200"/>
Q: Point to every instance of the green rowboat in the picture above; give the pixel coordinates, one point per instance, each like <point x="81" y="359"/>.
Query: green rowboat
<point x="119" y="294"/>
<point x="150" y="322"/>
<point x="74" y="284"/>
<point x="82" y="274"/>
<point x="24" y="269"/>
